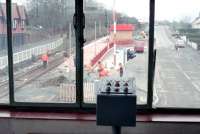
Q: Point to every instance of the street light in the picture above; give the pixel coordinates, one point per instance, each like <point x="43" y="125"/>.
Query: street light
<point x="95" y="36"/>
<point x="115" y="31"/>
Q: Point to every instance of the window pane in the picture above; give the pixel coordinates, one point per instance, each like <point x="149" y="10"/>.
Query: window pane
<point x="177" y="34"/>
<point x="44" y="50"/>
<point x="105" y="52"/>
<point x="4" y="88"/>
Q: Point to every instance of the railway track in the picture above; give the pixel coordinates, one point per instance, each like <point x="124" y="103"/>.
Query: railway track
<point x="26" y="78"/>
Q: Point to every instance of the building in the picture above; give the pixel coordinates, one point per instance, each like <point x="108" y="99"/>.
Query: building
<point x="19" y="18"/>
<point x="124" y="33"/>
<point x="196" y="23"/>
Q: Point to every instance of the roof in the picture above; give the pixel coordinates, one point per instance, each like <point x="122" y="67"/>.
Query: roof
<point x="3" y="9"/>
<point x="196" y="20"/>
<point x="123" y="27"/>
<point x="17" y="11"/>
<point x="22" y="12"/>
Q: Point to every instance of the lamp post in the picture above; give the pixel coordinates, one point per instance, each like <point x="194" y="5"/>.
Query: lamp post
<point x="70" y="40"/>
<point x="115" y="31"/>
<point x="95" y="37"/>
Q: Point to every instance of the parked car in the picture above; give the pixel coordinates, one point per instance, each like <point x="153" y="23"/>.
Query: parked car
<point x="130" y="54"/>
<point x="139" y="48"/>
<point x="180" y="43"/>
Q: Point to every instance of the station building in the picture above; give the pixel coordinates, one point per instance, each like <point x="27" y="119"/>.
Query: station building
<point x="124" y="33"/>
<point x="19" y="19"/>
<point x="196" y="23"/>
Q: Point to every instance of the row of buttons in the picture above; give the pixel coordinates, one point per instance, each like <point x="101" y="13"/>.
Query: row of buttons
<point x="108" y="90"/>
<point x="117" y="85"/>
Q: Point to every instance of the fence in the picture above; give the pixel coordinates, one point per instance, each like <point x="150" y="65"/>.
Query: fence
<point x="28" y="53"/>
<point x="67" y="93"/>
<point x="92" y="49"/>
<point x="101" y="54"/>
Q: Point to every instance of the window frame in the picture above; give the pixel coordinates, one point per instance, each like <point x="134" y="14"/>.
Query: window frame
<point x="12" y="103"/>
<point x="151" y="64"/>
<point x="79" y="21"/>
<point x="14" y="23"/>
<point x="22" y="24"/>
<point x="79" y="28"/>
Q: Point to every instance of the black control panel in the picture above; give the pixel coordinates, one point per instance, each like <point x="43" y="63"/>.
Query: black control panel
<point x="117" y="86"/>
<point x="116" y="102"/>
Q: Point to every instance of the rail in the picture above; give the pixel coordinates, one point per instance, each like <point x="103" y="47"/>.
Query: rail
<point x="25" y="78"/>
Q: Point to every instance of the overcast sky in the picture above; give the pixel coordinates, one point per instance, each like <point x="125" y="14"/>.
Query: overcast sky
<point x="16" y="1"/>
<point x="165" y="9"/>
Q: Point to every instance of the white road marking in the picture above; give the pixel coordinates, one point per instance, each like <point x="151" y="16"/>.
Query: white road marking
<point x="186" y="75"/>
<point x="196" y="86"/>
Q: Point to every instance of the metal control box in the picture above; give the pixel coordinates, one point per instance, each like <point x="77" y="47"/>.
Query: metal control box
<point x="116" y="107"/>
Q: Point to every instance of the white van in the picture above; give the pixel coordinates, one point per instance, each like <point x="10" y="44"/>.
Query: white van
<point x="180" y="43"/>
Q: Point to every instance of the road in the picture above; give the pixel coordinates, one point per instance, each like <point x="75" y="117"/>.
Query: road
<point x="177" y="80"/>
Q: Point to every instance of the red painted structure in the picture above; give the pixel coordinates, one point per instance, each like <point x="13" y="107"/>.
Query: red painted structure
<point x="124" y="34"/>
<point x="19" y="19"/>
<point x="139" y="46"/>
<point x="101" y="54"/>
<point x="122" y="27"/>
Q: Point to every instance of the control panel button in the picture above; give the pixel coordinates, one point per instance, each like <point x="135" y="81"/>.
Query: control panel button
<point x="126" y="90"/>
<point x="117" y="84"/>
<point x="126" y="84"/>
<point x="116" y="89"/>
<point x="108" y="89"/>
<point x="108" y="84"/>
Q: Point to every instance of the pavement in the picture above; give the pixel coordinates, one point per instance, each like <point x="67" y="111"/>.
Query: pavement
<point x="177" y="79"/>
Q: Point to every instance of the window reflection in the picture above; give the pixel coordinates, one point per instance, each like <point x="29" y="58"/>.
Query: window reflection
<point x="177" y="33"/>
<point x="116" y="44"/>
<point x="4" y="91"/>
<point x="44" y="51"/>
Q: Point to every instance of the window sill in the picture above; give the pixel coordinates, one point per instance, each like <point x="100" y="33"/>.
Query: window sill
<point x="190" y="118"/>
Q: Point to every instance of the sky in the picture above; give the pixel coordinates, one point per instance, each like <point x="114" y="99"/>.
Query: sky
<point x="165" y="9"/>
<point x="16" y="1"/>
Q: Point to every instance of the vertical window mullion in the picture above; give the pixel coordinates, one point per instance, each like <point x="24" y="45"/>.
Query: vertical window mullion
<point x="79" y="29"/>
<point x="151" y="54"/>
<point x="10" y="51"/>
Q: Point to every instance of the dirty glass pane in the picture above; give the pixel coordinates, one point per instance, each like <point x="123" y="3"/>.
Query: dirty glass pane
<point x="116" y="33"/>
<point x="44" y="50"/>
<point x="4" y="88"/>
<point x="177" y="35"/>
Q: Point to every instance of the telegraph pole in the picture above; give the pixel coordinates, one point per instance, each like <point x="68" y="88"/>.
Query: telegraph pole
<point x="70" y="39"/>
<point x="115" y="31"/>
<point x="95" y="37"/>
<point x="100" y="28"/>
